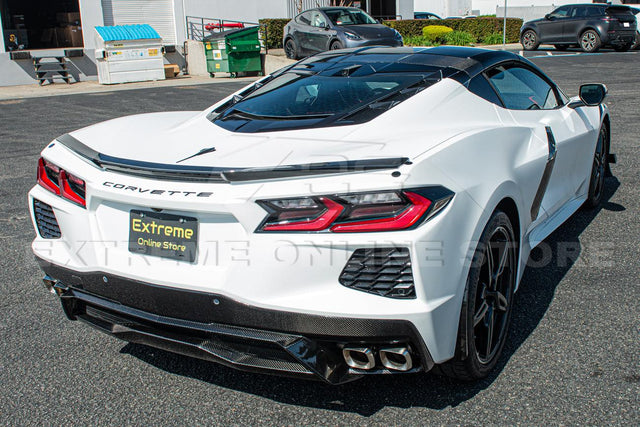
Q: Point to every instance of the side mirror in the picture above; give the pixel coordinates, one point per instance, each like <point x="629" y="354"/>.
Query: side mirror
<point x="593" y="94"/>
<point x="548" y="17"/>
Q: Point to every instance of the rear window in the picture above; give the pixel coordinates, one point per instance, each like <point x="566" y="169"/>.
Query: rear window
<point x="340" y="95"/>
<point x="293" y="95"/>
<point x="619" y="11"/>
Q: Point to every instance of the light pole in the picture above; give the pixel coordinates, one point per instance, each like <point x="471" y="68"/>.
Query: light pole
<point x="504" y="26"/>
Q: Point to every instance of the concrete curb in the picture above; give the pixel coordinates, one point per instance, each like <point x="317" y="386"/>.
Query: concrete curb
<point x="59" y="89"/>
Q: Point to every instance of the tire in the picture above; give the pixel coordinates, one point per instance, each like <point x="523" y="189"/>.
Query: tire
<point x="636" y="44"/>
<point x="212" y="75"/>
<point x="598" y="170"/>
<point x="529" y="40"/>
<point x="590" y="41"/>
<point x="335" y="45"/>
<point x="562" y="47"/>
<point x="291" y="49"/>
<point x="623" y="47"/>
<point x="487" y="303"/>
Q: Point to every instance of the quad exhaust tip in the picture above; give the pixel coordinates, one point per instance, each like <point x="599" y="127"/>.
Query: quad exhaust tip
<point x="396" y="358"/>
<point x="359" y="357"/>
<point x="392" y="358"/>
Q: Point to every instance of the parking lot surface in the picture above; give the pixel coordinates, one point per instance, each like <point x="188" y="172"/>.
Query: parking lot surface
<point x="573" y="356"/>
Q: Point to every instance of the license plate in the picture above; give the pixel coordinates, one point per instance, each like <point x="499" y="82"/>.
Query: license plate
<point x="163" y="235"/>
<point x="626" y="24"/>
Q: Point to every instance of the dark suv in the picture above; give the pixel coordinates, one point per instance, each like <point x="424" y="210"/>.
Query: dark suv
<point x="589" y="26"/>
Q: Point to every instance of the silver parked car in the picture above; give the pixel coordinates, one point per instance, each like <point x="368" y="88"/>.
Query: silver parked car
<point x="329" y="28"/>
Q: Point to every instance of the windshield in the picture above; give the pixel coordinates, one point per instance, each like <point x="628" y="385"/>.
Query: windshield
<point x="349" y="17"/>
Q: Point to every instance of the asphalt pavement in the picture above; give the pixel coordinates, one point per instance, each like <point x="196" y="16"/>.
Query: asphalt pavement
<point x="573" y="356"/>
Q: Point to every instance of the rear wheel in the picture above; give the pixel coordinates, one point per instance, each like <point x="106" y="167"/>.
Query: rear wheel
<point x="529" y="40"/>
<point x="590" y="41"/>
<point x="486" y="308"/>
<point x="598" y="169"/>
<point x="290" y="49"/>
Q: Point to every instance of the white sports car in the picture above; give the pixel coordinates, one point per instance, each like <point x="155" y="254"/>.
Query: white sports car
<point x="365" y="211"/>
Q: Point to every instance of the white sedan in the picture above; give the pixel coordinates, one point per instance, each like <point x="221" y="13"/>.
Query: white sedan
<point x="363" y="211"/>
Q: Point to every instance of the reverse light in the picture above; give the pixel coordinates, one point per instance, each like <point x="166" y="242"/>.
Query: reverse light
<point x="61" y="182"/>
<point x="355" y="212"/>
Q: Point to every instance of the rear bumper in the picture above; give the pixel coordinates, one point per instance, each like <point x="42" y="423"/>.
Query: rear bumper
<point x="620" y="37"/>
<point x="217" y="328"/>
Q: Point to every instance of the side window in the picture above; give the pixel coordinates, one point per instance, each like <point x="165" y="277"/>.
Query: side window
<point x="318" y="19"/>
<point x="481" y="87"/>
<point x="594" y="11"/>
<point x="305" y="18"/>
<point x="561" y="12"/>
<point x="522" y="89"/>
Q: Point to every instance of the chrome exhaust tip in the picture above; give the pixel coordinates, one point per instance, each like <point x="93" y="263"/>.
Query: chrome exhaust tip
<point x="359" y="357"/>
<point x="49" y="282"/>
<point x="396" y="358"/>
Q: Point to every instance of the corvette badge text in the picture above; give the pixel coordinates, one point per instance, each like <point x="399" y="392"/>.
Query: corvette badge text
<point x="140" y="190"/>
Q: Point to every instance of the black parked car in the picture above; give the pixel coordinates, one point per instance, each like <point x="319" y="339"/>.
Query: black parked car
<point x="328" y="28"/>
<point x="589" y="26"/>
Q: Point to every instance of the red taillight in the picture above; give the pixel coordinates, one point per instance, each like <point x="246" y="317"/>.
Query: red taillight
<point x="72" y="188"/>
<point x="48" y="175"/>
<point x="61" y="182"/>
<point x="404" y="219"/>
<point x="354" y="213"/>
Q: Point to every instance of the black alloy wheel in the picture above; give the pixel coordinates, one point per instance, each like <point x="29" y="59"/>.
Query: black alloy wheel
<point x="486" y="310"/>
<point x="290" y="49"/>
<point x="335" y="45"/>
<point x="598" y="170"/>
<point x="493" y="296"/>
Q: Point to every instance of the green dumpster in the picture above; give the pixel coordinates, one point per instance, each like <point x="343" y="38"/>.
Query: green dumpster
<point x="233" y="51"/>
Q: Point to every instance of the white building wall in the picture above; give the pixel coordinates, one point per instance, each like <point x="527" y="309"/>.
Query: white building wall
<point x="238" y="10"/>
<point x="404" y="8"/>
<point x="90" y="17"/>
<point x="488" y="7"/>
<point x="445" y="8"/>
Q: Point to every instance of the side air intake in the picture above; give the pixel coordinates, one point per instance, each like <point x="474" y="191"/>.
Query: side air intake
<point x="381" y="271"/>
<point x="46" y="222"/>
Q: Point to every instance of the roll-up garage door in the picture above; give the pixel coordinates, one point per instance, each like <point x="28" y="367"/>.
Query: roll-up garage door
<point x="157" y="13"/>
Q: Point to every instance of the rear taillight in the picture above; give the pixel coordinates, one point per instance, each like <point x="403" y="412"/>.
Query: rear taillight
<point x="72" y="188"/>
<point x="61" y="182"/>
<point x="354" y="213"/>
<point x="48" y="175"/>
